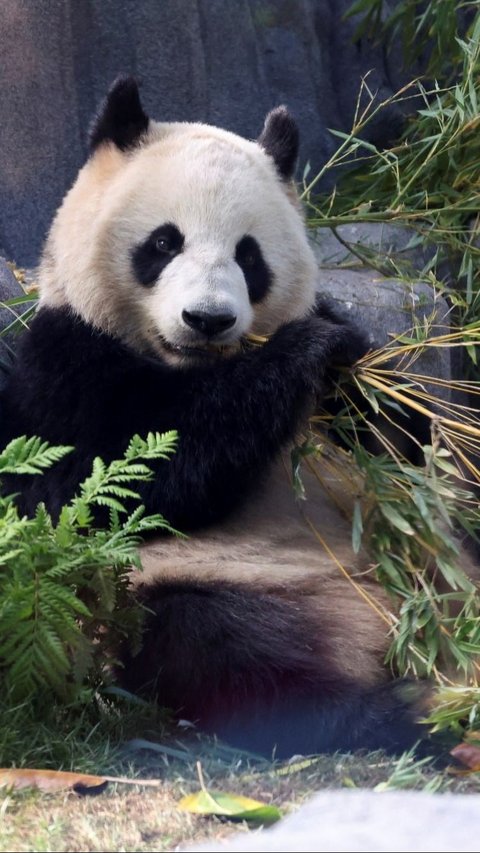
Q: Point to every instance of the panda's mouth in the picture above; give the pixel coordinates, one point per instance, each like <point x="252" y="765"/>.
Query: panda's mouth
<point x="207" y="351"/>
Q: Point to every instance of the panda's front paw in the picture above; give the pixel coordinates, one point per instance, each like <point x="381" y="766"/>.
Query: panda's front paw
<point x="354" y="343"/>
<point x="338" y="342"/>
<point x="314" y="345"/>
<point x="327" y="308"/>
<point x="349" y="345"/>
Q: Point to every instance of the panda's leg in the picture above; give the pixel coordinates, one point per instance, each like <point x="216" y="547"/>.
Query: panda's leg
<point x="252" y="667"/>
<point x="381" y="718"/>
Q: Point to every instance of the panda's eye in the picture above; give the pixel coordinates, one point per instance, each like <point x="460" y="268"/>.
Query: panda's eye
<point x="163" y="245"/>
<point x="153" y="255"/>
<point x="247" y="252"/>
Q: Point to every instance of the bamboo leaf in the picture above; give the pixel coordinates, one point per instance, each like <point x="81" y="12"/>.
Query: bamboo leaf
<point x="394" y="517"/>
<point x="357" y="527"/>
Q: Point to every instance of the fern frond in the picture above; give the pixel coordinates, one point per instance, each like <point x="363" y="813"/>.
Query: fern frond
<point x="9" y="555"/>
<point x="30" y="456"/>
<point x="63" y="586"/>
<point x="52" y="647"/>
<point x="155" y="522"/>
<point x="138" y="523"/>
<point x="106" y="500"/>
<point x="103" y="582"/>
<point x="157" y="445"/>
<point x="63" y="596"/>
<point x="16" y="641"/>
<point x="117" y="491"/>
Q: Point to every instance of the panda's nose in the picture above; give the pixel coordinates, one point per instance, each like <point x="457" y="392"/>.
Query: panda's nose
<point x="208" y="324"/>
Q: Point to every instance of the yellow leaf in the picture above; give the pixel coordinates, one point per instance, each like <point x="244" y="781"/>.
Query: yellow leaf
<point x="232" y="806"/>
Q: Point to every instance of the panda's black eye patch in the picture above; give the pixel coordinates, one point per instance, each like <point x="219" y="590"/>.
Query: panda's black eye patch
<point x="151" y="257"/>
<point x="258" y="276"/>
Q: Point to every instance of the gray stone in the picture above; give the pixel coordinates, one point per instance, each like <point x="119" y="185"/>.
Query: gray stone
<point x="199" y="61"/>
<point x="361" y="821"/>
<point x="10" y="288"/>
<point x="388" y="240"/>
<point x="384" y="306"/>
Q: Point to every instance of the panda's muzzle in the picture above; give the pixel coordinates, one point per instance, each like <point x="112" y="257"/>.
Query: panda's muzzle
<point x="205" y="338"/>
<point x="209" y="325"/>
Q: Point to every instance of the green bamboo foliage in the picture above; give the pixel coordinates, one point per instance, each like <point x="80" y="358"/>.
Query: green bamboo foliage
<point x="430" y="181"/>
<point x="426" y="29"/>
<point x="411" y="518"/>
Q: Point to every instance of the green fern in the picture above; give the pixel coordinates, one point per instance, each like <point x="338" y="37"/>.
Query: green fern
<point x="64" y="602"/>
<point x="29" y="456"/>
<point x="156" y="446"/>
<point x="106" y="484"/>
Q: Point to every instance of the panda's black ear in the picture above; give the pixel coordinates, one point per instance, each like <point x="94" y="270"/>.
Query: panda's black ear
<point x="280" y="138"/>
<point x="121" y="118"/>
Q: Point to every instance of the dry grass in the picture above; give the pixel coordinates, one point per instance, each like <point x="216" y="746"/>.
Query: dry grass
<point x="120" y="820"/>
<point x="124" y="819"/>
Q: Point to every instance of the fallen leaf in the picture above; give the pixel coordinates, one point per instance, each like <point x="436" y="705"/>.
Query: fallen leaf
<point x="467" y="754"/>
<point x="232" y="806"/>
<point x="60" y="780"/>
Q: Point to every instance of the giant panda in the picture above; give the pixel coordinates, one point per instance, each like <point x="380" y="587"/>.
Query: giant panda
<point x="175" y="242"/>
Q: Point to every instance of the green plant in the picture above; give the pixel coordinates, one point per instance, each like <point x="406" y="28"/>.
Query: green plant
<point x="429" y="181"/>
<point x="424" y="28"/>
<point x="409" y="517"/>
<point x="63" y="586"/>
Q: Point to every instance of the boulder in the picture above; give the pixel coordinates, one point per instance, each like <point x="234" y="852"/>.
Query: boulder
<point x="388" y="240"/>
<point x="386" y="307"/>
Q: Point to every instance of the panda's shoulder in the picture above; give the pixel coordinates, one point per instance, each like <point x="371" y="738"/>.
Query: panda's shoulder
<point x="58" y="336"/>
<point x="53" y="326"/>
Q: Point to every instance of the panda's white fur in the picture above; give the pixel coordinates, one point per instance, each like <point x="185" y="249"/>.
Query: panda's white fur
<point x="253" y="628"/>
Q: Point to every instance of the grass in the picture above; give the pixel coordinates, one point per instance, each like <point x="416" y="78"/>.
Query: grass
<point x="119" y="737"/>
<point x="148" y="820"/>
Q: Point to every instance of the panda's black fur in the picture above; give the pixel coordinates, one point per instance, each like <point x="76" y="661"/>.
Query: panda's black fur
<point x="238" y="660"/>
<point x="233" y="417"/>
<point x="255" y="662"/>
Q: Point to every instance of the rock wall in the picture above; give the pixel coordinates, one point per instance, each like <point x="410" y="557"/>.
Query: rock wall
<point x="221" y="61"/>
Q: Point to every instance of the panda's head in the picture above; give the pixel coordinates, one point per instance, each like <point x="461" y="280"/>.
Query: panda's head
<point x="181" y="238"/>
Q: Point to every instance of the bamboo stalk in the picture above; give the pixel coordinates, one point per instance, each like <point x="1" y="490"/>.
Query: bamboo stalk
<point x="370" y="601"/>
<point x="413" y="404"/>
